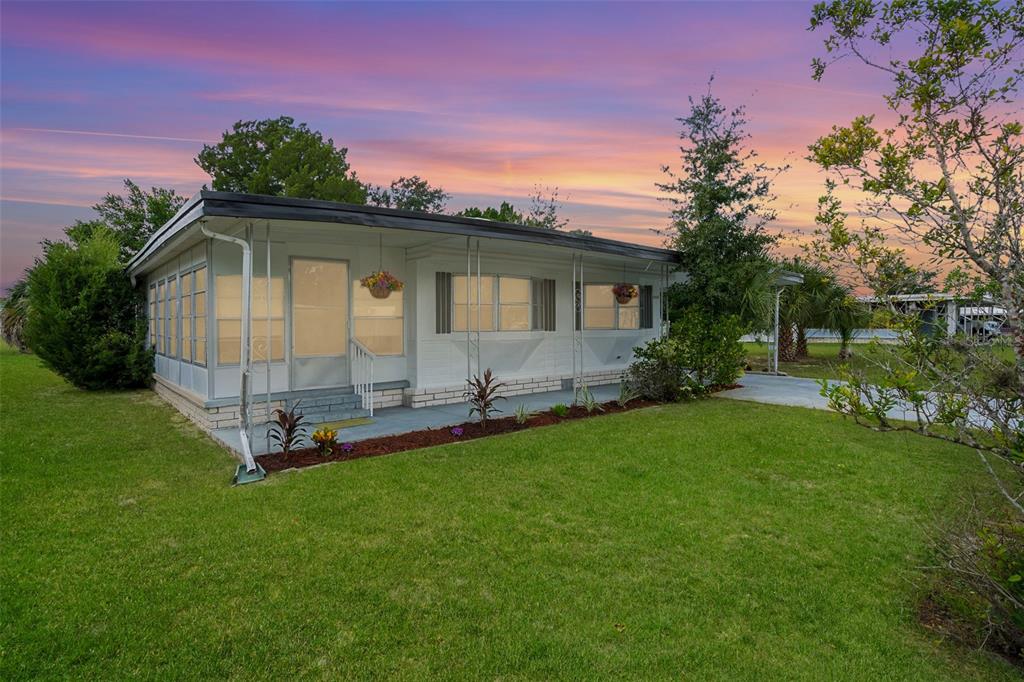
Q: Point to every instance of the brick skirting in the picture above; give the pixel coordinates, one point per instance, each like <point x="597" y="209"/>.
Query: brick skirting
<point x="447" y="395"/>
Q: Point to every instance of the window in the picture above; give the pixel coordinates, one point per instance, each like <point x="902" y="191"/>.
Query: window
<point x="228" y="291"/>
<point x="152" y="315"/>
<point x="481" y="311"/>
<point x="513" y="303"/>
<point x="602" y="311"/>
<point x="160" y="306"/>
<point x="172" y="318"/>
<point x="319" y="308"/>
<point x="199" y="315"/>
<point x="377" y="322"/>
<point x="186" y="316"/>
<point x="506" y="303"/>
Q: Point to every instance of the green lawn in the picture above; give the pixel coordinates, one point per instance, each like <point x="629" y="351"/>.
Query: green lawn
<point x="822" y="363"/>
<point x="716" y="539"/>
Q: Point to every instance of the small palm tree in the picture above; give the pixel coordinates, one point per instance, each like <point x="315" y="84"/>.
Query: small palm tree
<point x="820" y="301"/>
<point x="14" y="313"/>
<point x="843" y="314"/>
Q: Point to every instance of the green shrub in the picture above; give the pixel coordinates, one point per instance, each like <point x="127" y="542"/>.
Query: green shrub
<point x="656" y="372"/>
<point x="701" y="351"/>
<point x="709" y="346"/>
<point x="977" y="586"/>
<point x="560" y="410"/>
<point x="85" y="317"/>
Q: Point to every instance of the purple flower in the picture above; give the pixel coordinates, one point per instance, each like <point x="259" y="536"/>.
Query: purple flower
<point x="347" y="447"/>
<point x="457" y="431"/>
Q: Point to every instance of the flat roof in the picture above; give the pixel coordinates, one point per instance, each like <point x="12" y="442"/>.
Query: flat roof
<point x="207" y="203"/>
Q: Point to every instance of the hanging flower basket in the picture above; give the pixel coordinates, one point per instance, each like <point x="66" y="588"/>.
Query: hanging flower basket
<point x="624" y="293"/>
<point x="381" y="284"/>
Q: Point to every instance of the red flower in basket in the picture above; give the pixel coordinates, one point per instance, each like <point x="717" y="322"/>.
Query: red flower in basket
<point x="381" y="284"/>
<point x="624" y="293"/>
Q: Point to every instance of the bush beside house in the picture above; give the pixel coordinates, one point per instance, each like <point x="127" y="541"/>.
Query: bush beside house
<point x="85" y="319"/>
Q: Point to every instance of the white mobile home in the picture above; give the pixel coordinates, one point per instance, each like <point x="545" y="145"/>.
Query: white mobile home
<point x="536" y="306"/>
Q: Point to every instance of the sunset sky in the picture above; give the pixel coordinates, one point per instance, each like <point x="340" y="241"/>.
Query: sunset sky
<point x="487" y="100"/>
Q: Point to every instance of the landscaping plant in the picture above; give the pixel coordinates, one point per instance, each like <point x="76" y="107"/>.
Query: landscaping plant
<point x="325" y="440"/>
<point x="627" y="394"/>
<point x="287" y="428"/>
<point x="85" y="317"/>
<point x="656" y="372"/>
<point x="522" y="414"/>
<point x="709" y="347"/>
<point x="482" y="394"/>
<point x="588" y="402"/>
<point x="981" y="582"/>
<point x="560" y="410"/>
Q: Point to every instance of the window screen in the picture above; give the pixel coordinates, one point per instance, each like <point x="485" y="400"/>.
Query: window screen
<point x="152" y="316"/>
<point x="599" y="307"/>
<point x="186" y="316"/>
<point x="377" y="322"/>
<point x="319" y="307"/>
<point x="513" y="303"/>
<point x="228" y="291"/>
<point x="160" y="306"/>
<point x="199" y="313"/>
<point x="602" y="311"/>
<point x="172" y="317"/>
<point x="466" y="304"/>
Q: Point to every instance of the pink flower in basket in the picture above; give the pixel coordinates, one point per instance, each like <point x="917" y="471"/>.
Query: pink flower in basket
<point x="624" y="293"/>
<point x="382" y="283"/>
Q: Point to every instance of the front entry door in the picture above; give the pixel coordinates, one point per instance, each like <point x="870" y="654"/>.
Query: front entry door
<point x="319" y="323"/>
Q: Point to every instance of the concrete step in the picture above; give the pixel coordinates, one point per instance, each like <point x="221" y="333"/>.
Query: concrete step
<point x="335" y="415"/>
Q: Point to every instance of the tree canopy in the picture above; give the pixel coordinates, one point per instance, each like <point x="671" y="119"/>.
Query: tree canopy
<point x="131" y="218"/>
<point x="720" y="197"/>
<point x="410" y="194"/>
<point x="278" y="157"/>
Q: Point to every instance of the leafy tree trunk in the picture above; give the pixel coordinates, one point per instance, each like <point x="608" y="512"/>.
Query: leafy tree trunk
<point x="787" y="349"/>
<point x="844" y="349"/>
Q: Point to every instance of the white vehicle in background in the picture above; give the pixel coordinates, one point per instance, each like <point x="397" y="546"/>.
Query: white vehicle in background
<point x="990" y="329"/>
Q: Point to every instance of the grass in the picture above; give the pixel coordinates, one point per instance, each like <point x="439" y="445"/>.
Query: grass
<point x="716" y="539"/>
<point x="822" y="363"/>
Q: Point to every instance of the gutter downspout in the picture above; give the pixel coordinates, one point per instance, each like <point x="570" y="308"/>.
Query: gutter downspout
<point x="252" y="470"/>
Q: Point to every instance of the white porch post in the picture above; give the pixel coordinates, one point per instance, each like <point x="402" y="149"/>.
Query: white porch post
<point x="775" y="341"/>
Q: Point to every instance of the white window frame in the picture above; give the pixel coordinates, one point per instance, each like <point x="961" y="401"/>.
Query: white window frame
<point x="356" y="286"/>
<point x="258" y="326"/>
<point x="198" y="286"/>
<point x="496" y="303"/>
<point x="617" y="307"/>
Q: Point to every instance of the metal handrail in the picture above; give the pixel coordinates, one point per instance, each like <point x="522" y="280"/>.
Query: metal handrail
<point x="362" y="373"/>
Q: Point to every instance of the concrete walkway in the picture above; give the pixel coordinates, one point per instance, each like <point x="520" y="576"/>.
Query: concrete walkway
<point x="390" y="421"/>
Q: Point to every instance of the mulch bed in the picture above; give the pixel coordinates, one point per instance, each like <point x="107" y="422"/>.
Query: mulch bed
<point x="385" y="445"/>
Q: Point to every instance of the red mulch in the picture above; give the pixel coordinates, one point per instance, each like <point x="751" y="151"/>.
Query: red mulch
<point x="385" y="445"/>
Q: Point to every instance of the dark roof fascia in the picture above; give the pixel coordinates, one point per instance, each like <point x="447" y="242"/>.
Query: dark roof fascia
<point x="190" y="212"/>
<point x="256" y="206"/>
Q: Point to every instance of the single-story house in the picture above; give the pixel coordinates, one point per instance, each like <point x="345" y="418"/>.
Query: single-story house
<point x="536" y="306"/>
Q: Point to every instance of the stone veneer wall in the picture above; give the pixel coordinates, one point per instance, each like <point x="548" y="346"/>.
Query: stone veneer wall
<point x="447" y="395"/>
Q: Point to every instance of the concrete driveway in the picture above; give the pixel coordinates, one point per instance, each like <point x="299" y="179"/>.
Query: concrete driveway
<point x="766" y="388"/>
